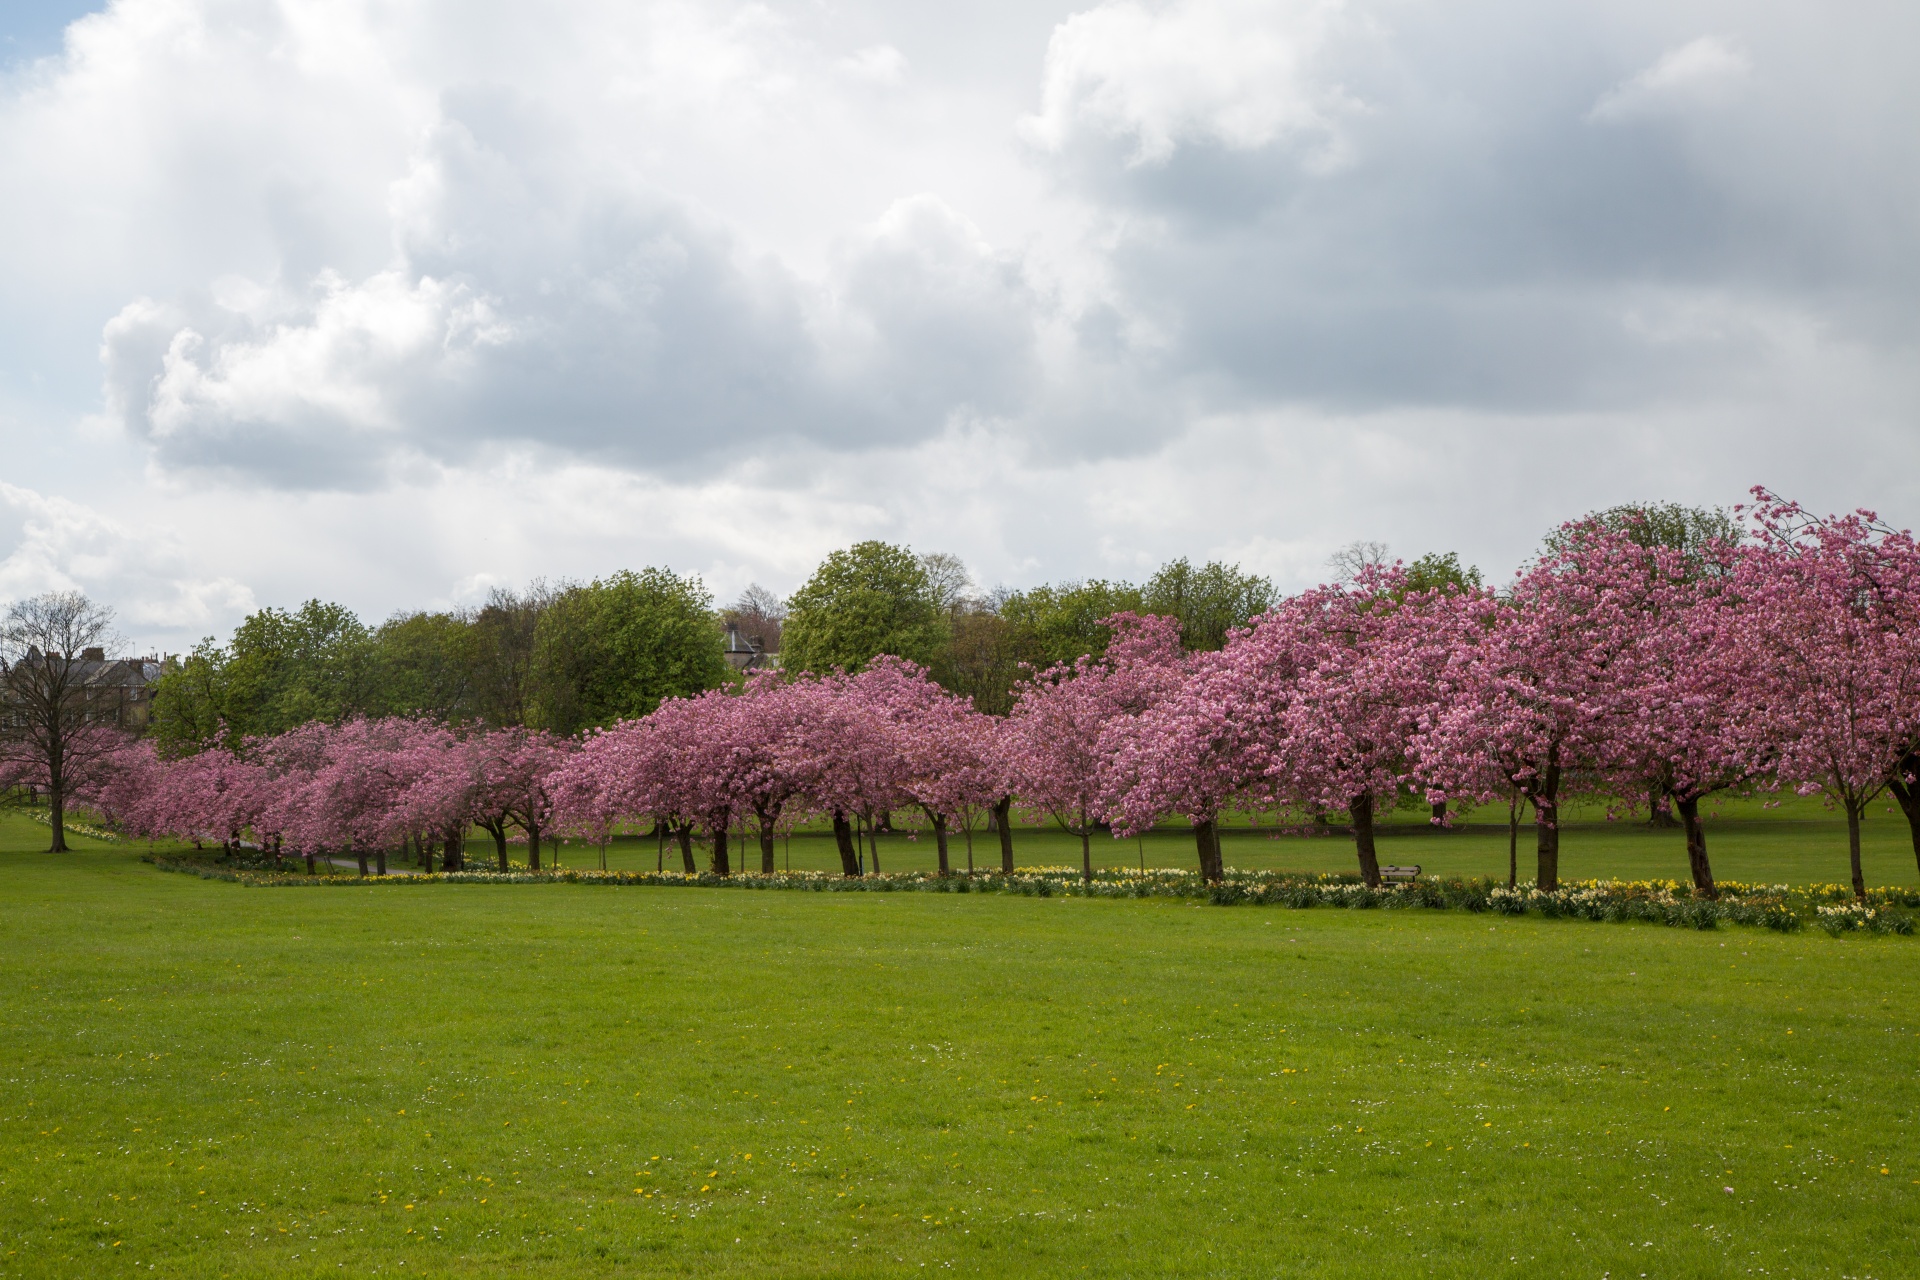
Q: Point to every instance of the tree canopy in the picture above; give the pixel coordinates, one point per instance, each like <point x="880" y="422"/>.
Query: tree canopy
<point x="870" y="599"/>
<point x="613" y="648"/>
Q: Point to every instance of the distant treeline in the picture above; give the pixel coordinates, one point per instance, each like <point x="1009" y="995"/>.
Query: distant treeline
<point x="573" y="656"/>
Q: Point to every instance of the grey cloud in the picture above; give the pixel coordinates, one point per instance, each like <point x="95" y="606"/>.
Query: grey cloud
<point x="1489" y="238"/>
<point x="532" y="306"/>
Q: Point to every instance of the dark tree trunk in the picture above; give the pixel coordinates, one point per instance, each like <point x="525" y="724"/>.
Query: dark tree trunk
<point x="1697" y="864"/>
<point x="873" y="839"/>
<point x="1660" y="811"/>
<point x="1003" y="822"/>
<point x="884" y="822"/>
<point x="1439" y="812"/>
<point x="843" y="841"/>
<point x="1513" y="840"/>
<point x="453" y="851"/>
<point x="766" y="845"/>
<point x="721" y="867"/>
<point x="380" y="861"/>
<point x="1206" y="838"/>
<point x="309" y="862"/>
<point x="1546" y="822"/>
<point x="533" y="848"/>
<point x="57" y="815"/>
<point x="360" y="856"/>
<point x="940" y="842"/>
<point x="684" y="834"/>
<point x="1906" y="789"/>
<point x="1853" y="848"/>
<point x="498" y="830"/>
<point x="423" y="854"/>
<point x="1086" y="855"/>
<point x="1360" y="810"/>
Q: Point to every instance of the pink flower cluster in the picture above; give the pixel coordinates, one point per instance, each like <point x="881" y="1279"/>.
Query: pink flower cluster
<point x="359" y="789"/>
<point x="1608" y="667"/>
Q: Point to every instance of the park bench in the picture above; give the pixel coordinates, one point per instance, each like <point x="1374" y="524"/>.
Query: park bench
<point x="1399" y="875"/>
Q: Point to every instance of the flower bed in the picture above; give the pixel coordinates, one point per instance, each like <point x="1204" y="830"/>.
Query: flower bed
<point x="1668" y="902"/>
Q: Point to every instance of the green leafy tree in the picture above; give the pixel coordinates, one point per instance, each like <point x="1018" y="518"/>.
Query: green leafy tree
<point x="1061" y="623"/>
<point x="983" y="658"/>
<point x="868" y="600"/>
<point x="612" y="649"/>
<point x="1438" y="572"/>
<point x="280" y="670"/>
<point x="1209" y="600"/>
<point x="424" y="665"/>
<point x="1689" y="530"/>
<point x="502" y="649"/>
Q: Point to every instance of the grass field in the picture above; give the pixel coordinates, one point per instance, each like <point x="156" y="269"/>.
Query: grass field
<point x="208" y="1080"/>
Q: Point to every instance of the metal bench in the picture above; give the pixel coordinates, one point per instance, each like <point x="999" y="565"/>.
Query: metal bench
<point x="1399" y="875"/>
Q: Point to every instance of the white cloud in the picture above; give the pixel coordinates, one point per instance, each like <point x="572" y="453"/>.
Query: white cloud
<point x="880" y="64"/>
<point x="56" y="544"/>
<point x="1234" y="73"/>
<point x="1700" y="72"/>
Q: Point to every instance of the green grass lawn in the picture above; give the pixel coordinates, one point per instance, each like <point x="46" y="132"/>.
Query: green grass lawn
<point x="210" y="1080"/>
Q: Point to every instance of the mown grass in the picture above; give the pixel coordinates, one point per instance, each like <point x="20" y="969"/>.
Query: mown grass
<point x="208" y="1080"/>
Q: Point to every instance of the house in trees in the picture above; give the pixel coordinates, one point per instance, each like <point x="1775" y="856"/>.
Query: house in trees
<point x="117" y="691"/>
<point x="746" y="652"/>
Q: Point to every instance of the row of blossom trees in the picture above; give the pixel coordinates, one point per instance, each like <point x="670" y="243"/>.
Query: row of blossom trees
<point x="1611" y="666"/>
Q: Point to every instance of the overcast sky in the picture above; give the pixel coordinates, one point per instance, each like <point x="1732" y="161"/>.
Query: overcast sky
<point x="390" y="302"/>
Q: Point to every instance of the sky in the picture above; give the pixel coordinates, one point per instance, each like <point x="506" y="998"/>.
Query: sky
<point x="391" y="303"/>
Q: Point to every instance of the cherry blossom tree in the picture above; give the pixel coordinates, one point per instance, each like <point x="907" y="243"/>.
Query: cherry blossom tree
<point x="511" y="771"/>
<point x="1534" y="693"/>
<point x="1827" y="630"/>
<point x="845" y="758"/>
<point x="1058" y="752"/>
<point x="945" y="749"/>
<point x="1369" y="660"/>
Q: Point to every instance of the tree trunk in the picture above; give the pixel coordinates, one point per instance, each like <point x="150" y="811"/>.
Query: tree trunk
<point x="1206" y="836"/>
<point x="57" y="815"/>
<point x="1854" y="811"/>
<point x="1003" y="822"/>
<point x="721" y="867"/>
<point x="1513" y="840"/>
<point x="498" y="830"/>
<point x="453" y="854"/>
<point x="360" y="856"/>
<point x="873" y="838"/>
<point x="533" y="848"/>
<point x="380" y="861"/>
<point x="1905" y="785"/>
<point x="1086" y="855"/>
<point x="1360" y="810"/>
<point x="684" y="834"/>
<point x="1659" y="811"/>
<point x="766" y="845"/>
<point x="968" y="829"/>
<point x="843" y="841"/>
<point x="1697" y="863"/>
<point x="940" y="842"/>
<point x="423" y="854"/>
<point x="1546" y="822"/>
<point x="1439" y="813"/>
<point x="309" y="862"/>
